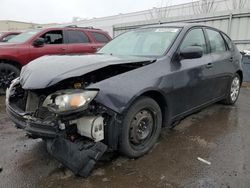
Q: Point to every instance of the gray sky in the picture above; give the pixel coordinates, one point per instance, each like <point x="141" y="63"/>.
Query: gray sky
<point x="48" y="11"/>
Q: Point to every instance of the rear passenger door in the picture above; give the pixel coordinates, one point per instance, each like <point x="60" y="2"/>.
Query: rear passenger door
<point x="222" y="62"/>
<point x="79" y="42"/>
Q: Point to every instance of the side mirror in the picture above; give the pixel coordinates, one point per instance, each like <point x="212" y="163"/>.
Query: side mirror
<point x="191" y="52"/>
<point x="39" y="42"/>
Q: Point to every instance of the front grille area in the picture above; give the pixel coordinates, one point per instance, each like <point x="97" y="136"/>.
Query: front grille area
<point x="30" y="102"/>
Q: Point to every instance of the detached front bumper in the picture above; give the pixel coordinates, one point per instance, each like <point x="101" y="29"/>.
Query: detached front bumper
<point x="79" y="157"/>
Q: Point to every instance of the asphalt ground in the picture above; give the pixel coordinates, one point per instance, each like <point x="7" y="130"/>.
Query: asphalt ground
<point x="207" y="149"/>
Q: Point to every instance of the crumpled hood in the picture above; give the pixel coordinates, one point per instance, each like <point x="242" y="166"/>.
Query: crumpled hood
<point x="49" y="70"/>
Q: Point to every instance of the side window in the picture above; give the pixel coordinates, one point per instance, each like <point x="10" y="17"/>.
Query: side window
<point x="99" y="37"/>
<point x="53" y="37"/>
<point x="195" y="37"/>
<point x="228" y="41"/>
<point x="217" y="43"/>
<point x="77" y="37"/>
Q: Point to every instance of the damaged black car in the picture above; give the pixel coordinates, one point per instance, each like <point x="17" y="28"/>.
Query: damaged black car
<point x="120" y="98"/>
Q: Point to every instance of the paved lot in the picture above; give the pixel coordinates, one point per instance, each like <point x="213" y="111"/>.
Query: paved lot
<point x="218" y="134"/>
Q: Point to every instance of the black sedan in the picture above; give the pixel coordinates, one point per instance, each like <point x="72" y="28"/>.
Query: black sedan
<point x="121" y="97"/>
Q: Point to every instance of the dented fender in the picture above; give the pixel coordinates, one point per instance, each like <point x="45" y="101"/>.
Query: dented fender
<point x="118" y="92"/>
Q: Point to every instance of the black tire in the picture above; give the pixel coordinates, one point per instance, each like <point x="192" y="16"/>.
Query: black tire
<point x="230" y="100"/>
<point x="8" y="72"/>
<point x="140" y="114"/>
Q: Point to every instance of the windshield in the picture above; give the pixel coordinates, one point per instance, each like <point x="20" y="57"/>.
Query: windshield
<point x="23" y="37"/>
<point x="143" y="42"/>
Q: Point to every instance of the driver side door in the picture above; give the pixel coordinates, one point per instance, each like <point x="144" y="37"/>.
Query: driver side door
<point x="192" y="80"/>
<point x="54" y="45"/>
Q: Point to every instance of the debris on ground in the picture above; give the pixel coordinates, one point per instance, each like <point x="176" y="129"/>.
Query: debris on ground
<point x="204" y="161"/>
<point x="1" y="169"/>
<point x="162" y="177"/>
<point x="105" y="180"/>
<point x="99" y="172"/>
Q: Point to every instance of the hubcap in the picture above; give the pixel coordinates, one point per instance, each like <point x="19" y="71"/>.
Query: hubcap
<point x="141" y="127"/>
<point x="235" y="88"/>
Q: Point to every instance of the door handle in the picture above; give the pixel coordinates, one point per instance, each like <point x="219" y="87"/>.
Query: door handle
<point x="63" y="49"/>
<point x="209" y="65"/>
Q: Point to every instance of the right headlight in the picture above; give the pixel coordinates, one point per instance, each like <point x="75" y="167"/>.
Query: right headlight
<point x="71" y="100"/>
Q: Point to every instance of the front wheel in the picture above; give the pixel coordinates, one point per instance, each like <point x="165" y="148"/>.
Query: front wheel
<point x="140" y="128"/>
<point x="234" y="91"/>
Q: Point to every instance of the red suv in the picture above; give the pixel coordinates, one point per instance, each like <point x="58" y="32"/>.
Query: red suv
<point x="32" y="44"/>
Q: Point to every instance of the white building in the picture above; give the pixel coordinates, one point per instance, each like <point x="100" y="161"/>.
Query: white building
<point x="187" y="9"/>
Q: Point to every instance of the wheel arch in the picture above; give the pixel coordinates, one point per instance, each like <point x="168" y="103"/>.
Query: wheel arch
<point x="158" y="96"/>
<point x="11" y="62"/>
<point x="240" y="73"/>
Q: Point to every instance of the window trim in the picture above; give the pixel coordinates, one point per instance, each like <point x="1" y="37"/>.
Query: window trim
<point x="224" y="34"/>
<point x="187" y="32"/>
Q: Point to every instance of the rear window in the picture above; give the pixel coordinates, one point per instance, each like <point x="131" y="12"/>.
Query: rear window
<point x="99" y="37"/>
<point x="216" y="41"/>
<point x="77" y="37"/>
<point x="228" y="41"/>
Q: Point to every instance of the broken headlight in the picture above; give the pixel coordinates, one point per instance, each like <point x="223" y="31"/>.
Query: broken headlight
<point x="70" y="100"/>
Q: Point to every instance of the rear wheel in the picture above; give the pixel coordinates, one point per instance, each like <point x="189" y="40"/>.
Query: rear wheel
<point x="8" y="72"/>
<point x="141" y="127"/>
<point x="234" y="91"/>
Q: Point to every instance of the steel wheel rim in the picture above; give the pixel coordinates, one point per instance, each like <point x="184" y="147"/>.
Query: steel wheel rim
<point x="142" y="128"/>
<point x="235" y="88"/>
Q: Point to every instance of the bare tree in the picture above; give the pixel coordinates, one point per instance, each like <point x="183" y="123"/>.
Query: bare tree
<point x="238" y="4"/>
<point x="203" y="6"/>
<point x="157" y="13"/>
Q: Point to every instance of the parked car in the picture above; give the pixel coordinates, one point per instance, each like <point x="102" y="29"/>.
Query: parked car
<point x="32" y="44"/>
<point x="5" y="36"/>
<point x="120" y="98"/>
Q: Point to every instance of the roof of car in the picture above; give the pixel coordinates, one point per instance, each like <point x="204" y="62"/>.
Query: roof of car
<point x="178" y="24"/>
<point x="73" y="27"/>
